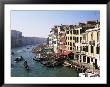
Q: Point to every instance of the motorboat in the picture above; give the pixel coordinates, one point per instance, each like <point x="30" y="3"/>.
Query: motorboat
<point x="88" y="74"/>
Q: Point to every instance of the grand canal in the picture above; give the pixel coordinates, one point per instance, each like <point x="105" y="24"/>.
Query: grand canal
<point x="36" y="68"/>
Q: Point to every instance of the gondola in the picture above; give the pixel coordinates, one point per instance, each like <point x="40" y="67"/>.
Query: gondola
<point x="19" y="59"/>
<point x="26" y="65"/>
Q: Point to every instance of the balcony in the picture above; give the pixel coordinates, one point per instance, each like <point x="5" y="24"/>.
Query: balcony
<point x="84" y="42"/>
<point x="83" y="52"/>
<point x="92" y="42"/>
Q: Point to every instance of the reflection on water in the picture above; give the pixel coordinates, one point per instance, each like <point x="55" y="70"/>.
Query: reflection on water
<point x="36" y="69"/>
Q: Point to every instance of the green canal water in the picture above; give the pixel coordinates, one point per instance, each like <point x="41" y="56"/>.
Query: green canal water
<point x="36" y="68"/>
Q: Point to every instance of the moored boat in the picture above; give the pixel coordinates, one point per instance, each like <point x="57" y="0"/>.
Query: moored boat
<point x="19" y="59"/>
<point x="86" y="74"/>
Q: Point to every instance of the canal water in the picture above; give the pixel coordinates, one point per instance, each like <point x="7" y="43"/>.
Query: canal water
<point x="36" y="68"/>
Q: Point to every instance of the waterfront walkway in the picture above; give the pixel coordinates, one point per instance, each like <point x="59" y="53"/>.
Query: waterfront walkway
<point x="90" y="68"/>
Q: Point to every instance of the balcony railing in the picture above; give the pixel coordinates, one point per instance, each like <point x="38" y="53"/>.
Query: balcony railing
<point x="83" y="52"/>
<point x="92" y="42"/>
<point x="83" y="41"/>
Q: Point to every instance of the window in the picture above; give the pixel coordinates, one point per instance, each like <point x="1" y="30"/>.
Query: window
<point x="77" y="32"/>
<point x="70" y="38"/>
<point x="70" y="48"/>
<point x="73" y="44"/>
<point x="77" y="39"/>
<point x="73" y="48"/>
<point x="92" y="49"/>
<point x="84" y="58"/>
<point x="70" y="44"/>
<point x="81" y="48"/>
<point x="92" y="36"/>
<point x="74" y="31"/>
<point x="71" y="31"/>
<point x="77" y="47"/>
<point x="98" y="36"/>
<point x="97" y="50"/>
<point x="54" y="42"/>
<point x="80" y="39"/>
<point x="91" y="59"/>
<point x="86" y="49"/>
<point x="67" y="32"/>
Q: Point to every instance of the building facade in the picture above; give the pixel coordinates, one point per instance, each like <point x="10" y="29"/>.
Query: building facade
<point x="90" y="44"/>
<point x="82" y="39"/>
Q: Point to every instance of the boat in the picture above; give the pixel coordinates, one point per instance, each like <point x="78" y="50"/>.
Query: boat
<point x="67" y="65"/>
<point x="50" y="65"/>
<point x="86" y="74"/>
<point x="27" y="48"/>
<point x="37" y="59"/>
<point x="44" y="62"/>
<point x="82" y="75"/>
<point x="19" y="59"/>
<point x="26" y="65"/>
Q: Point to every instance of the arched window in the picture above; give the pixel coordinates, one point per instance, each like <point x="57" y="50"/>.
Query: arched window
<point x="91" y="35"/>
<point x="98" y="36"/>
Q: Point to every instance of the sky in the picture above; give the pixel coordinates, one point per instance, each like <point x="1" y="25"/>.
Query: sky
<point x="39" y="23"/>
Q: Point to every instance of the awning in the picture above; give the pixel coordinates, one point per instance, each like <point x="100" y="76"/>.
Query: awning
<point x="58" y="54"/>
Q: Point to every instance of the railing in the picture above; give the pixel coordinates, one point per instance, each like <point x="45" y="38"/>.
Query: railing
<point x="92" y="42"/>
<point x="83" y="52"/>
<point x="84" y="42"/>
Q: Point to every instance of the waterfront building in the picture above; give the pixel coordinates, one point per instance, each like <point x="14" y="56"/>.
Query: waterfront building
<point x="57" y="38"/>
<point x="78" y="37"/>
<point x="70" y="38"/>
<point x="16" y="38"/>
<point x="90" y="44"/>
<point x="62" y="38"/>
<point x="83" y="40"/>
<point x="53" y="39"/>
<point x="50" y="37"/>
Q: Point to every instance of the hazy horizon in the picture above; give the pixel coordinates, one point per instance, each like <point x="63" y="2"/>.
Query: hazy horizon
<point x="39" y="23"/>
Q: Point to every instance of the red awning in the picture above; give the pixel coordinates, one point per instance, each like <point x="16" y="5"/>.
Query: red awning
<point x="58" y="54"/>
